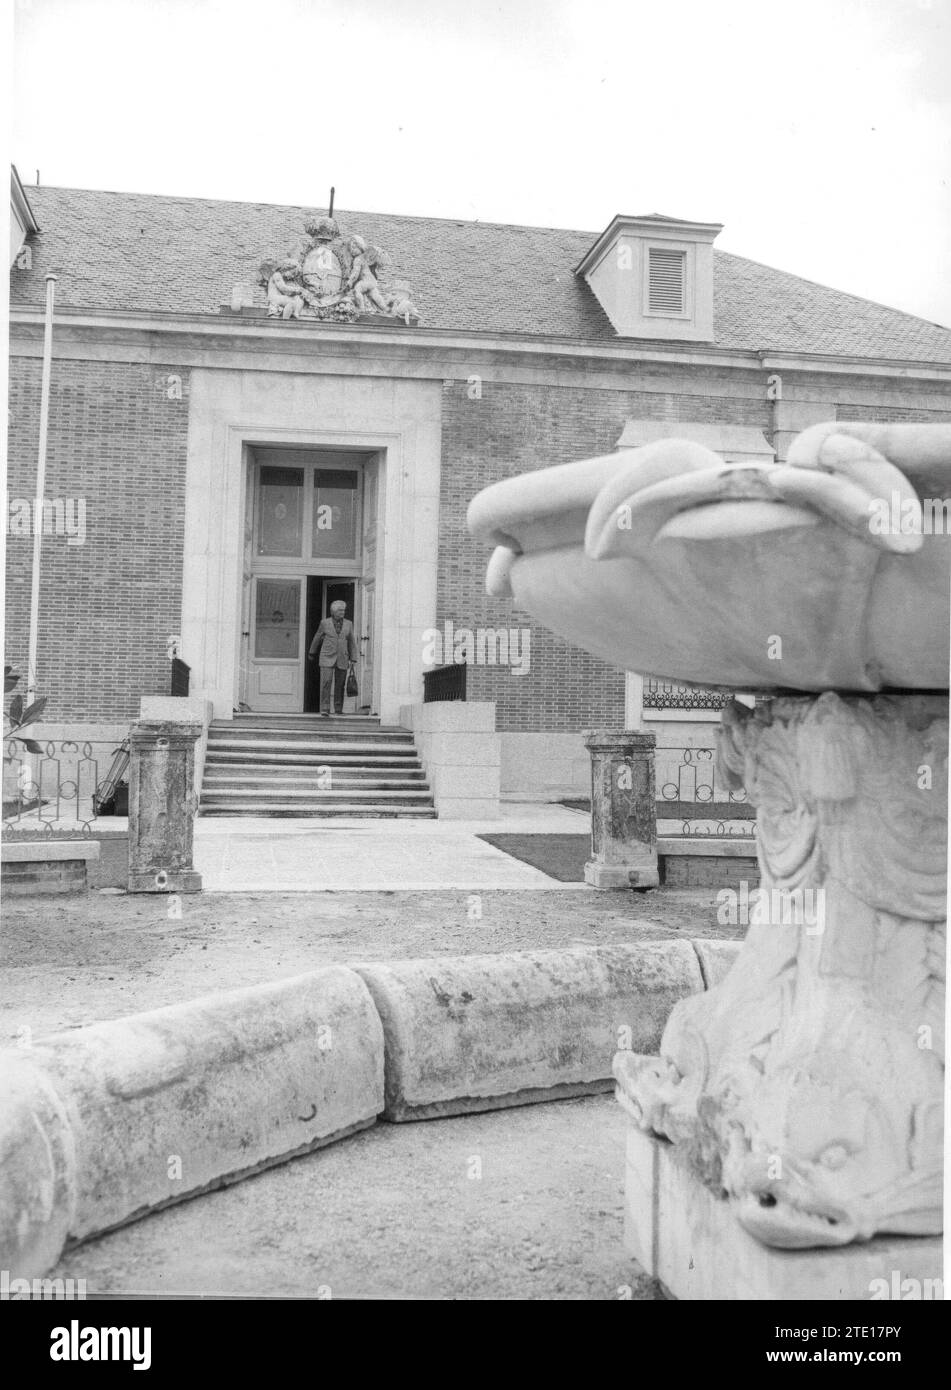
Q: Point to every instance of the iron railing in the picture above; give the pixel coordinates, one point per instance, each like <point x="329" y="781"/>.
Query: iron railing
<point x="61" y="788"/>
<point x="181" y="675"/>
<point x="690" y="790"/>
<point x="445" y="683"/>
<point x="663" y="694"/>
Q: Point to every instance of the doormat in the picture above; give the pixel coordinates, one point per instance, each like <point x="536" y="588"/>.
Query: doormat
<point x="559" y="856"/>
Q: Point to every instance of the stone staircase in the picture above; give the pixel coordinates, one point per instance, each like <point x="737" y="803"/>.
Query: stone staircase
<point x="306" y="765"/>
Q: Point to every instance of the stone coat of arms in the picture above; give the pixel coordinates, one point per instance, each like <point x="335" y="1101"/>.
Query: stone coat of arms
<point x="336" y="278"/>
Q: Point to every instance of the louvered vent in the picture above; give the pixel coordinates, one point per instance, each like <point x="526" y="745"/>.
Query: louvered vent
<point x="667" y="273"/>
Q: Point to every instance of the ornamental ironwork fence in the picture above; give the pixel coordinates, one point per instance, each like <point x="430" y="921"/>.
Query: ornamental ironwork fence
<point x="689" y="789"/>
<point x="64" y="787"/>
<point x="664" y="694"/>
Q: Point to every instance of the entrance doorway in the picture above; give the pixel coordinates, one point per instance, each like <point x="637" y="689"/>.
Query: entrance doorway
<point x="308" y="508"/>
<point x="321" y="593"/>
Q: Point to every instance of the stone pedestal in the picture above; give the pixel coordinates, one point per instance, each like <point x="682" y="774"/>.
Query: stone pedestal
<point x="805" y="1091"/>
<point x="162" y="807"/>
<point x="689" y="1239"/>
<point x="623" y="810"/>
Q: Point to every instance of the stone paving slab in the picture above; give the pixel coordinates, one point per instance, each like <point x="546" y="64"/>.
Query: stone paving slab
<point x="337" y="854"/>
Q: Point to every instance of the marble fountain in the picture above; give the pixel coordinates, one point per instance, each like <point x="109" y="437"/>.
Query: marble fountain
<point x="788" y="1141"/>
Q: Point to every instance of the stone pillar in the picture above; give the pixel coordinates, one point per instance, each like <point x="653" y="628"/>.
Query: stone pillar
<point x="162" y="807"/>
<point x="623" y="812"/>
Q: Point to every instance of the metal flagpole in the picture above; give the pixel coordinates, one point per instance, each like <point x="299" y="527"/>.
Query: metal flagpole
<point x="38" y="513"/>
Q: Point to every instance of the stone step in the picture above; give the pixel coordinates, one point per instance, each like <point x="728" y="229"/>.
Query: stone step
<point x="291" y="762"/>
<point x="268" y="765"/>
<point x="311" y="717"/>
<point x="320" y="728"/>
<point x="357" y="748"/>
<point x="215" y="779"/>
<point x="315" y="728"/>
<point x="382" y="810"/>
<point x="409" y="796"/>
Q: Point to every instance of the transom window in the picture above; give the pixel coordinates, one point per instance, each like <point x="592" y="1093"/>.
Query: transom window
<point x="308" y="513"/>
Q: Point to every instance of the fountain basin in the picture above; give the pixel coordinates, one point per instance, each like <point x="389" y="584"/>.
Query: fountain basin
<point x="666" y="560"/>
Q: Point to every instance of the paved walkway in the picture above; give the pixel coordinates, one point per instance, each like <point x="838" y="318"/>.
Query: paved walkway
<point x="339" y="854"/>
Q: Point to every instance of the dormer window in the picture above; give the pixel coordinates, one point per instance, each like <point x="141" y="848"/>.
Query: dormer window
<point x="653" y="276"/>
<point x="666" y="281"/>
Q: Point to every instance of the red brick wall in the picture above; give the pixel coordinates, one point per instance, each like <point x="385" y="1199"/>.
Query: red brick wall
<point x="511" y="430"/>
<point x="106" y="607"/>
<point x="892" y="414"/>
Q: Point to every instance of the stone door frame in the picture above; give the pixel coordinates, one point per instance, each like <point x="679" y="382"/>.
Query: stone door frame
<point x="215" y="518"/>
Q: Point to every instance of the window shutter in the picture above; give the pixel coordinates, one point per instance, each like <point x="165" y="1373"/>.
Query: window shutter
<point x="666" y="294"/>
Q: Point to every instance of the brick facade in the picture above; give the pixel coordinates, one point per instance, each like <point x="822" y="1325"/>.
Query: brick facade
<point x="119" y="441"/>
<point x="107" y="606"/>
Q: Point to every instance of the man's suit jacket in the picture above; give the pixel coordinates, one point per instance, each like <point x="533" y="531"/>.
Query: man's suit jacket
<point x="334" y="650"/>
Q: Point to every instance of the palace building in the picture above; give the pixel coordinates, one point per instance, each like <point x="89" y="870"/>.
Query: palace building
<point x="256" y="410"/>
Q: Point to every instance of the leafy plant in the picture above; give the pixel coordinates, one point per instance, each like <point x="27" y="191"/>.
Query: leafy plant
<point x="16" y="718"/>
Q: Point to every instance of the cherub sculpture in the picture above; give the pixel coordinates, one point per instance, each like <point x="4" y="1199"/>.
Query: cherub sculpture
<point x="285" y="298"/>
<point x="402" y="307"/>
<point x="362" y="280"/>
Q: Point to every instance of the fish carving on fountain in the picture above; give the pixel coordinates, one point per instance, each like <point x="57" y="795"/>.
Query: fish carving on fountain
<point x="807" y="1088"/>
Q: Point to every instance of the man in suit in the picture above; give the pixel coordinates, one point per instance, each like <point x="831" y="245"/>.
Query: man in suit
<point x="333" y="648"/>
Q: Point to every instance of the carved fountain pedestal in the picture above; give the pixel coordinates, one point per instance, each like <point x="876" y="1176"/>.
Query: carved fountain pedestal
<point x="800" y="1101"/>
<point x="788" y="1140"/>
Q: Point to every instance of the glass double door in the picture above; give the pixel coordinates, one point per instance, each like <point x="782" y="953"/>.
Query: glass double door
<point x="306" y="553"/>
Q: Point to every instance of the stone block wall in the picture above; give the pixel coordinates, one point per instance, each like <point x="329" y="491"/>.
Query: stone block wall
<point x="459" y="749"/>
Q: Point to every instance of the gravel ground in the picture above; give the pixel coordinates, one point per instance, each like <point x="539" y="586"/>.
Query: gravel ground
<point x="518" y="1204"/>
<point x="73" y="960"/>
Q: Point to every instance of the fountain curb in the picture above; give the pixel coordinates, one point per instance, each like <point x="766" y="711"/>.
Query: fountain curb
<point x="233" y="1083"/>
<point x="112" y="1121"/>
<point x="454" y="1026"/>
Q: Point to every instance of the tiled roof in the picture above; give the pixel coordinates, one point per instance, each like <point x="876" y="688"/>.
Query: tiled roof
<point x="146" y="252"/>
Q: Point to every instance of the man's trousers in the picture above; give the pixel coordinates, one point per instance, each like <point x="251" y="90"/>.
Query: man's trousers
<point x="337" y="675"/>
